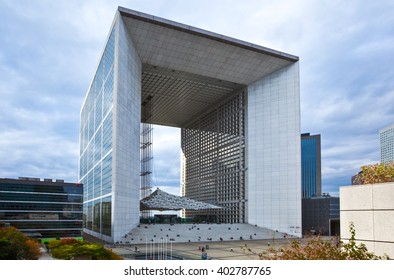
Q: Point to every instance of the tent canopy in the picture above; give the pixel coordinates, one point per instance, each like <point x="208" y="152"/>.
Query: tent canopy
<point x="160" y="200"/>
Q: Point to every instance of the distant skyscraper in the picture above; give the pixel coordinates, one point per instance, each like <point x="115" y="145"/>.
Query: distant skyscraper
<point x="311" y="165"/>
<point x="387" y="143"/>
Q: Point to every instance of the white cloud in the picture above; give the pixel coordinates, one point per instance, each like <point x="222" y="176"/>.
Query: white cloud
<point x="41" y="154"/>
<point x="49" y="51"/>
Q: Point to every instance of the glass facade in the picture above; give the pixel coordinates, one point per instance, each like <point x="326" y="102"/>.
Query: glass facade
<point x="386" y="136"/>
<point x="311" y="167"/>
<point x="53" y="209"/>
<point x="95" y="163"/>
<point x="334" y="208"/>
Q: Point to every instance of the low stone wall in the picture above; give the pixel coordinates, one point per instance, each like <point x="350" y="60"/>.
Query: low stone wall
<point x="371" y="209"/>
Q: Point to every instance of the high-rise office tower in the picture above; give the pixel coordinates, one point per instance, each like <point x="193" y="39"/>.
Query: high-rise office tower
<point x="386" y="136"/>
<point x="311" y="165"/>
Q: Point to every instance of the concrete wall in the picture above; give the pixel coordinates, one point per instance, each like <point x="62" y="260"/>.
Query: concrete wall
<point x="371" y="209"/>
<point x="126" y="134"/>
<point x="274" y="152"/>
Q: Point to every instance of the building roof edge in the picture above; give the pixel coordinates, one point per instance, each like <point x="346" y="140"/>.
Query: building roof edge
<point x="204" y="33"/>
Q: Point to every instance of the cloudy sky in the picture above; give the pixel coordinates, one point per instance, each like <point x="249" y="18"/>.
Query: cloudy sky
<point x="49" y="51"/>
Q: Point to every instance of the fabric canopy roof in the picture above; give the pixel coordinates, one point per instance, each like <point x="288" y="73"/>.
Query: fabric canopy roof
<point x="160" y="200"/>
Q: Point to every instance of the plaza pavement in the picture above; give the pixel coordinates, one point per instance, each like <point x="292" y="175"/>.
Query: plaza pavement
<point x="186" y="241"/>
<point x="181" y="233"/>
<point x="226" y="250"/>
<point x="220" y="241"/>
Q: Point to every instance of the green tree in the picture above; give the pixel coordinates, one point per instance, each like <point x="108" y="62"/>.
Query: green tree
<point x="14" y="245"/>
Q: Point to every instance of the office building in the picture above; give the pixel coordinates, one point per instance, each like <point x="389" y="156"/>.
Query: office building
<point x="45" y="208"/>
<point x="311" y="165"/>
<point x="238" y="107"/>
<point x="320" y="215"/>
<point x="386" y="136"/>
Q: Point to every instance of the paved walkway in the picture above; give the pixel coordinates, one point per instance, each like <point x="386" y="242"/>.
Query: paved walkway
<point x="220" y="241"/>
<point x="44" y="254"/>
<point x="182" y="233"/>
<point x="186" y="241"/>
<point x="226" y="250"/>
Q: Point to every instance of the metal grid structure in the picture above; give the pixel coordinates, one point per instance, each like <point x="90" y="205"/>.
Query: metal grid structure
<point x="214" y="150"/>
<point x="180" y="97"/>
<point x="146" y="151"/>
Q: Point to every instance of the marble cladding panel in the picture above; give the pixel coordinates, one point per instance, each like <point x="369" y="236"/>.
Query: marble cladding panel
<point x="274" y="153"/>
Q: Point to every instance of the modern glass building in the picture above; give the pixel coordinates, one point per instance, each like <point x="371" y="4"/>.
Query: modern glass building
<point x="96" y="145"/>
<point x="237" y="105"/>
<point x="311" y="165"/>
<point x="386" y="136"/>
<point x="47" y="208"/>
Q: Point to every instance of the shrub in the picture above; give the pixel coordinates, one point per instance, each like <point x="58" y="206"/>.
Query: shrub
<point x="61" y="242"/>
<point x="353" y="251"/>
<point x="69" y="249"/>
<point x="318" y="249"/>
<point x="14" y="245"/>
<point x="376" y="173"/>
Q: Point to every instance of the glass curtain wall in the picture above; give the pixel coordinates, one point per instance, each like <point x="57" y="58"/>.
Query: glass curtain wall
<point x="309" y="159"/>
<point x="96" y="145"/>
<point x="53" y="210"/>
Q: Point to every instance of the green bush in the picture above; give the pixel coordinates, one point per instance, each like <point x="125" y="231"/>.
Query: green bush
<point x="376" y="173"/>
<point x="14" y="245"/>
<point x="70" y="249"/>
<point x="318" y="249"/>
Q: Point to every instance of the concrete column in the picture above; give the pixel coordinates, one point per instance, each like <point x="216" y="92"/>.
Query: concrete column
<point x="274" y="152"/>
<point x="126" y="134"/>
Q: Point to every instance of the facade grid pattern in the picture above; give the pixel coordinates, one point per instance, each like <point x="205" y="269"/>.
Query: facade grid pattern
<point x="49" y="208"/>
<point x="214" y="157"/>
<point x="310" y="165"/>
<point x="95" y="167"/>
<point x="146" y="152"/>
<point x="387" y="144"/>
<point x="318" y="212"/>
